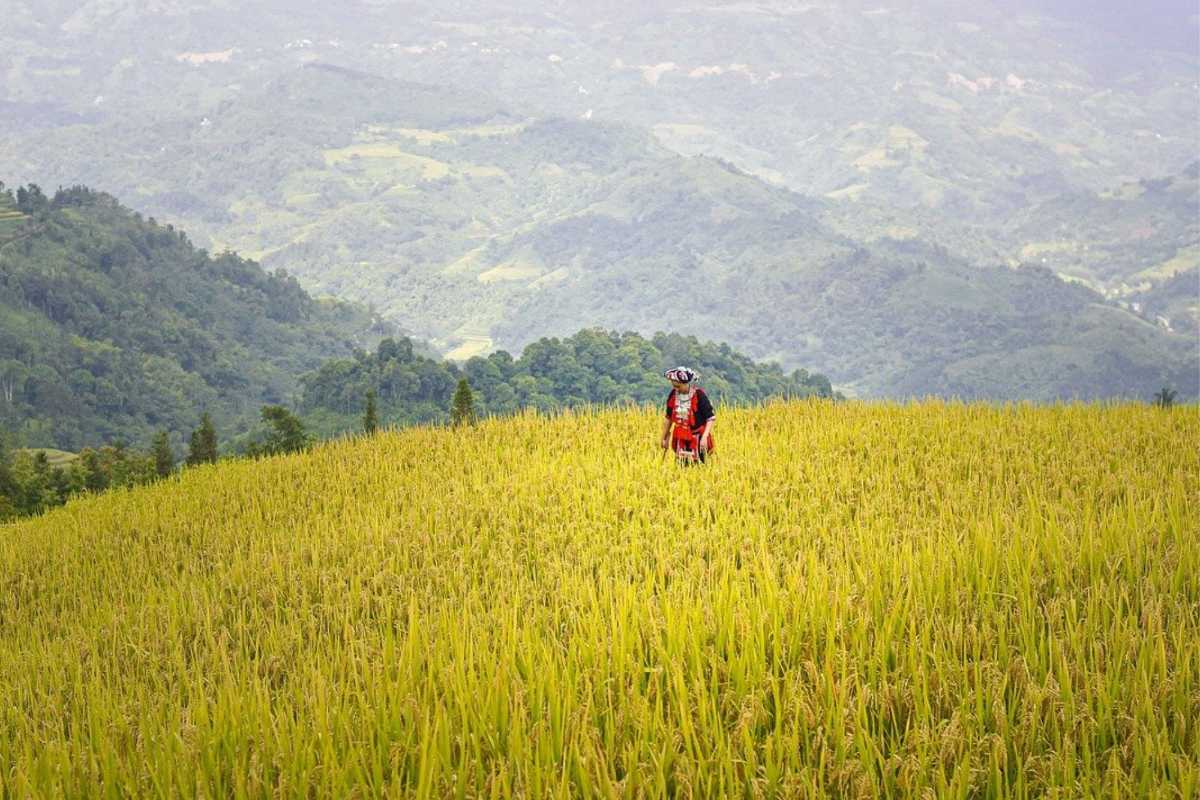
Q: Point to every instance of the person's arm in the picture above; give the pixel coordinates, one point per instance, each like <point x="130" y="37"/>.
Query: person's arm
<point x="665" y="438"/>
<point x="710" y="419"/>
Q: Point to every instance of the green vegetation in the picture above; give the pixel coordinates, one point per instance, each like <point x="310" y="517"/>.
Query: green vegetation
<point x="55" y="457"/>
<point x="371" y="414"/>
<point x="462" y="407"/>
<point x="285" y="433"/>
<point x="1117" y="240"/>
<point x="1174" y="302"/>
<point x="901" y="318"/>
<point x="1165" y="397"/>
<point x="163" y="455"/>
<point x="113" y="327"/>
<point x="591" y="367"/>
<point x="12" y="221"/>
<point x="35" y="481"/>
<point x="202" y="446"/>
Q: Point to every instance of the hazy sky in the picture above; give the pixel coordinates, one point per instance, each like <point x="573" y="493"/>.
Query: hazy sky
<point x="1168" y="24"/>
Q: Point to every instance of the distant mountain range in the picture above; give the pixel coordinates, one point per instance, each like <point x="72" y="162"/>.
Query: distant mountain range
<point x="477" y="228"/>
<point x="971" y="111"/>
<point x="723" y="165"/>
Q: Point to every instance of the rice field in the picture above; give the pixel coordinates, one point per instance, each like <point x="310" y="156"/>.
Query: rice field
<point x="850" y="601"/>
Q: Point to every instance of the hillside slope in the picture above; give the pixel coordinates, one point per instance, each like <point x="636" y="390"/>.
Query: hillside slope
<point x="113" y="327"/>
<point x="1128" y="237"/>
<point x="11" y="219"/>
<point x="699" y="248"/>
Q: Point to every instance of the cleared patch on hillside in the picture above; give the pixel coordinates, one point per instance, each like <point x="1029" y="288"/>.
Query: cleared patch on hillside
<point x="474" y="340"/>
<point x="851" y="192"/>
<point x="512" y="271"/>
<point x="57" y="458"/>
<point x="1184" y="259"/>
<point x="11" y="219"/>
<point x="385" y="161"/>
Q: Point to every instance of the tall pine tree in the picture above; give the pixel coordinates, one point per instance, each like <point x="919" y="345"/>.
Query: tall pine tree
<point x="164" y="459"/>
<point x="371" y="416"/>
<point x="462" y="408"/>
<point x="287" y="431"/>
<point x="203" y="449"/>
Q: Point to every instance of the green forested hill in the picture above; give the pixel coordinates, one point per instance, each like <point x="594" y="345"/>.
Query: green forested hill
<point x="590" y="367"/>
<point x="901" y="318"/>
<point x="113" y="327"/>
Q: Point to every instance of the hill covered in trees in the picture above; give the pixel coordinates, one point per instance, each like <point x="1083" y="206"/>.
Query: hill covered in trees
<point x="591" y="367"/>
<point x="1130" y="236"/>
<point x="900" y="318"/>
<point x="114" y="327"/>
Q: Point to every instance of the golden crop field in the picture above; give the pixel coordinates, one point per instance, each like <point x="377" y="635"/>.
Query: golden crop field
<point x="851" y="601"/>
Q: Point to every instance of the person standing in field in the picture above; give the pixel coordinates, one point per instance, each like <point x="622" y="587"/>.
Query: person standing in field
<point x="687" y="429"/>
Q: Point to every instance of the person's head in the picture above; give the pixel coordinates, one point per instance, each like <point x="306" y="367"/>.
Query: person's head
<point x="682" y="378"/>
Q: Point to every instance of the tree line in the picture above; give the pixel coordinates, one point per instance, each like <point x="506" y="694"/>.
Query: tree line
<point x="396" y="385"/>
<point x="593" y="366"/>
<point x="31" y="483"/>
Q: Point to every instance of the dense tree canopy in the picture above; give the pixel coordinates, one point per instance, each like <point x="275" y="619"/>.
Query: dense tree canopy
<point x="594" y="366"/>
<point x="115" y="327"/>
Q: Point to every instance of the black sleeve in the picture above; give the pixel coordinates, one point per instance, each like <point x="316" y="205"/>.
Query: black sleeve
<point x="704" y="410"/>
<point x="668" y="406"/>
